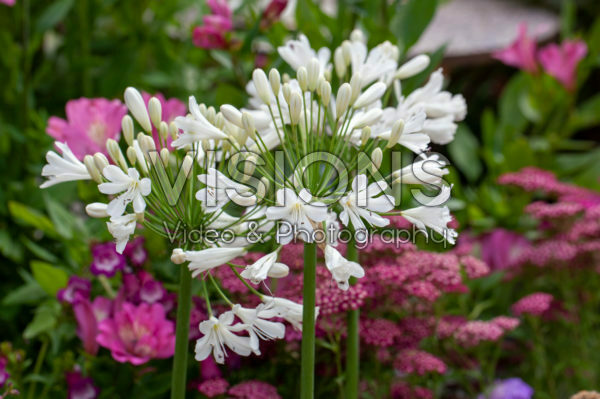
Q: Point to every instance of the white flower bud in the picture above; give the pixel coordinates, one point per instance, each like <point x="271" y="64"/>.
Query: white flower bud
<point x="211" y="114"/>
<point x="285" y="78"/>
<point x="262" y="85"/>
<point x="186" y="165"/>
<point x="101" y="161"/>
<point x="357" y="36"/>
<point x="314" y="71"/>
<point x="127" y="128"/>
<point x="131" y="155"/>
<point x="368" y="118"/>
<point x="278" y="270"/>
<point x="232" y="114"/>
<point x="88" y="161"/>
<point x="220" y="121"/>
<point x="397" y="130"/>
<point x="343" y="99"/>
<point x="327" y="74"/>
<point x="164" y="156"/>
<point x="96" y="210"/>
<point x="202" y="108"/>
<point x="347" y="52"/>
<point x="173" y="131"/>
<point x="249" y="167"/>
<point x="163" y="131"/>
<point x="295" y="107"/>
<point x="356" y="84"/>
<point x="155" y="111"/>
<point x="248" y="124"/>
<point x="413" y="67"/>
<point x="339" y="62"/>
<point x="325" y="89"/>
<point x="370" y="95"/>
<point x="302" y="77"/>
<point x="135" y="104"/>
<point x="287" y="91"/>
<point x="262" y="188"/>
<point x="178" y="256"/>
<point x="275" y="81"/>
<point x="115" y="153"/>
<point x="377" y="158"/>
<point x="365" y="135"/>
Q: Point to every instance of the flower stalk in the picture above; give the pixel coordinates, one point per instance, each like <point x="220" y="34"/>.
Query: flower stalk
<point x="307" y="368"/>
<point x="182" y="328"/>
<point x="352" y="340"/>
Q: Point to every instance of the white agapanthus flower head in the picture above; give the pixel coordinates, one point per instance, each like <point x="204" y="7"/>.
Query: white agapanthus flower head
<point x="366" y="202"/>
<point x="341" y="268"/>
<point x="130" y="187"/>
<point x="219" y="333"/>
<point x="63" y="168"/>
<point x="206" y="259"/>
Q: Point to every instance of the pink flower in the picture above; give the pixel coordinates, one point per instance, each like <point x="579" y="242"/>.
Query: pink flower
<point x="500" y="248"/>
<point x="138" y="334"/>
<point x="413" y="361"/>
<point x="170" y="108"/>
<point x="254" y="390"/>
<point x="9" y="3"/>
<point x="106" y="260"/>
<point x="535" y="304"/>
<point x="561" y="61"/>
<point x="135" y="251"/>
<point x="3" y="373"/>
<point x="272" y="12"/>
<point x="475" y="332"/>
<point x="213" y="387"/>
<point x="77" y="288"/>
<point x="521" y="53"/>
<point x="506" y="323"/>
<point x="211" y="35"/>
<point x="90" y="122"/>
<point x="80" y="387"/>
<point x="87" y="325"/>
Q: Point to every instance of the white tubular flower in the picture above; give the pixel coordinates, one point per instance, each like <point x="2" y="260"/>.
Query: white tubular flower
<point x="132" y="188"/>
<point x="62" y="169"/>
<point x="370" y="95"/>
<point x="341" y="268"/>
<point x="195" y="127"/>
<point x="219" y="333"/>
<point x="364" y="202"/>
<point x="435" y="217"/>
<point x="298" y="212"/>
<point x="256" y="319"/>
<point x="298" y="53"/>
<point x="288" y="310"/>
<point x="378" y="64"/>
<point x="220" y="190"/>
<point x="412" y="136"/>
<point x="428" y="169"/>
<point x="137" y="107"/>
<point x="440" y="130"/>
<point x="267" y="266"/>
<point x="206" y="259"/>
<point x="121" y="228"/>
<point x="97" y="210"/>
<point x="413" y="67"/>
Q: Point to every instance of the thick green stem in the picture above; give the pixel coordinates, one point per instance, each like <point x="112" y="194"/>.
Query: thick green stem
<point x="184" y="301"/>
<point x="307" y="371"/>
<point x="352" y="340"/>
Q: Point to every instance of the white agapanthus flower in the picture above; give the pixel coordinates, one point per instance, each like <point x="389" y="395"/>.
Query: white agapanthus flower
<point x="377" y="64"/>
<point x="298" y="53"/>
<point x="365" y="202"/>
<point x="433" y="215"/>
<point x="220" y="190"/>
<point x="341" y="268"/>
<point x="63" y="168"/>
<point x="258" y="321"/>
<point x="288" y="310"/>
<point x="426" y="169"/>
<point x="219" y="333"/>
<point x="121" y="228"/>
<point x="412" y="135"/>
<point x="298" y="213"/>
<point x="206" y="259"/>
<point x="266" y="266"/>
<point x="130" y="186"/>
<point x="195" y="127"/>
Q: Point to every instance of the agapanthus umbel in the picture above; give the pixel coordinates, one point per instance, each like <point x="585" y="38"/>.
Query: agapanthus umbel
<point x="137" y="334"/>
<point x="535" y="304"/>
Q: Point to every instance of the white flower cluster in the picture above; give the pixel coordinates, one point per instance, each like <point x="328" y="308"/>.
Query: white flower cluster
<point x="341" y="107"/>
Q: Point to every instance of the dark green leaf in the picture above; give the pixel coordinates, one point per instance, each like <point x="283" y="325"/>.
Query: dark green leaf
<point x="464" y="153"/>
<point x="53" y="14"/>
<point x="410" y="21"/>
<point x="50" y="278"/>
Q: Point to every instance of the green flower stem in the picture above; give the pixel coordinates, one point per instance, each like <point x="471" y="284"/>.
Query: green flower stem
<point x="352" y="340"/>
<point x="307" y="370"/>
<point x="184" y="301"/>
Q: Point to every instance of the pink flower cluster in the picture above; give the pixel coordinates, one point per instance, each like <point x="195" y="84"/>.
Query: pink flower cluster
<point x="535" y="304"/>
<point x="402" y="390"/>
<point x="475" y="332"/>
<point x="253" y="390"/>
<point x="211" y="35"/>
<point x="559" y="61"/>
<point x="413" y="361"/>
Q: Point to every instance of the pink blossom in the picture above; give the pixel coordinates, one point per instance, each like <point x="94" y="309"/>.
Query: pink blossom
<point x="90" y="122"/>
<point x="254" y="390"/>
<point x="379" y="332"/>
<point x="170" y="109"/>
<point x="561" y="61"/>
<point x="135" y="251"/>
<point x="77" y="288"/>
<point x="87" y="325"/>
<point x="521" y="53"/>
<point x="475" y="268"/>
<point x="141" y="287"/>
<point x="106" y="260"/>
<point x="475" y="332"/>
<point x="213" y="387"/>
<point x="209" y="369"/>
<point x="272" y="12"/>
<point x="535" y="304"/>
<point x="413" y="361"/>
<point x="211" y="35"/>
<point x="401" y="390"/>
<point x="80" y="387"/>
<point x="506" y="323"/>
<point x="138" y="334"/>
<point x="3" y="373"/>
<point x="9" y="3"/>
<point x="500" y="247"/>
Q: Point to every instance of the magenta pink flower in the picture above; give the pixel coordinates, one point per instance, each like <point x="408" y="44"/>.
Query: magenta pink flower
<point x="171" y="109"/>
<point x="535" y="304"/>
<point x="87" y="325"/>
<point x="272" y="12"/>
<point x="135" y="251"/>
<point x="254" y="390"/>
<point x="3" y="373"/>
<point x="500" y="248"/>
<point x="213" y="387"/>
<point x="561" y="61"/>
<point x="521" y="53"/>
<point x="414" y="361"/>
<point x="106" y="260"/>
<point x="80" y="387"/>
<point x="138" y="334"/>
<point x="9" y="3"/>
<point x="211" y="35"/>
<point x="90" y="122"/>
<point x="77" y="288"/>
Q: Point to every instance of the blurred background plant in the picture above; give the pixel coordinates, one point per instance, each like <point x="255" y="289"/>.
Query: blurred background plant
<point x="436" y="339"/>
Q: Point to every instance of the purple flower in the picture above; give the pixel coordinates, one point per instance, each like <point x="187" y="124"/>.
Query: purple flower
<point x="135" y="251"/>
<point x="80" y="387"/>
<point x="142" y="287"/>
<point x="500" y="247"/>
<point x="77" y="288"/>
<point x="106" y="260"/>
<point x="3" y="373"/>
<point x="511" y="388"/>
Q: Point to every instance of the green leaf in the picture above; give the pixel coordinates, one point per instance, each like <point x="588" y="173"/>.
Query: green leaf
<point x="50" y="278"/>
<point x="464" y="153"/>
<point x="10" y="248"/>
<point x="63" y="220"/>
<point x="45" y="319"/>
<point x="411" y="20"/>
<point x="53" y="14"/>
<point x="587" y="115"/>
<point x="29" y="293"/>
<point x="31" y="217"/>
